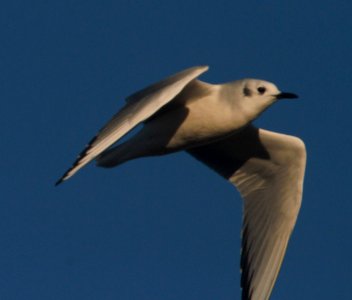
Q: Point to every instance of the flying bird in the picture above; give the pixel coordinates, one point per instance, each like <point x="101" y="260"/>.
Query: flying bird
<point x="213" y="123"/>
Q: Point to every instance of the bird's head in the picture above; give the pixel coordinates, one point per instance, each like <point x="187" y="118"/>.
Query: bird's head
<point x="257" y="95"/>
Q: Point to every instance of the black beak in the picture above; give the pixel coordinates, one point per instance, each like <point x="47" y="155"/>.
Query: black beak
<point x="284" y="95"/>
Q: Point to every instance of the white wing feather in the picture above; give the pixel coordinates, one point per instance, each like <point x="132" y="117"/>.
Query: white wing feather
<point x="140" y="106"/>
<point x="268" y="170"/>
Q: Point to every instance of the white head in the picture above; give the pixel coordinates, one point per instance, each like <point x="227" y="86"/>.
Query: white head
<point x="257" y="95"/>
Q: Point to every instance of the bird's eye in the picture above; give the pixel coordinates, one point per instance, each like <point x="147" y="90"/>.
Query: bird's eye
<point x="261" y="90"/>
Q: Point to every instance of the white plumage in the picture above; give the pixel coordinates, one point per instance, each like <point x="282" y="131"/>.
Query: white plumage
<point x="213" y="124"/>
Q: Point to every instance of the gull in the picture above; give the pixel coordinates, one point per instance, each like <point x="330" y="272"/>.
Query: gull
<point x="213" y="123"/>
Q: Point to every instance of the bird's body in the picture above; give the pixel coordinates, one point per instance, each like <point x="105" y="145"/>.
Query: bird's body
<point x="189" y="120"/>
<point x="213" y="124"/>
<point x="198" y="115"/>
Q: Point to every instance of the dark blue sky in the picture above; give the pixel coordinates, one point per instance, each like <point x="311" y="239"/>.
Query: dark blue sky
<point x="164" y="228"/>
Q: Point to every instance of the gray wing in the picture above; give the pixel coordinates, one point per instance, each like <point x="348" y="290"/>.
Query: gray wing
<point x="268" y="170"/>
<point x="140" y="106"/>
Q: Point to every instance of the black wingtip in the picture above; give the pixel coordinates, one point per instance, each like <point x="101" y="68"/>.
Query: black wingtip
<point x="59" y="181"/>
<point x="62" y="178"/>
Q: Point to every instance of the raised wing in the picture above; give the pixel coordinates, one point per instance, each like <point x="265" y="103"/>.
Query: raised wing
<point x="268" y="170"/>
<point x="140" y="106"/>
